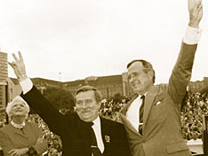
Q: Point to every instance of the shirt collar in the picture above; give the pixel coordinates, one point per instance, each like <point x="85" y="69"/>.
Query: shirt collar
<point x="139" y="96"/>
<point x="19" y="126"/>
<point x="96" y="122"/>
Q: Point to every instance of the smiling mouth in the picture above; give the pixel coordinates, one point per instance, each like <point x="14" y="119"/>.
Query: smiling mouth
<point x="85" y="112"/>
<point x="19" y="111"/>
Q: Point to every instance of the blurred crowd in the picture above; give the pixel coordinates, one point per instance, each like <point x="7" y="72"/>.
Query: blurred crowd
<point x="110" y="109"/>
<point x="195" y="106"/>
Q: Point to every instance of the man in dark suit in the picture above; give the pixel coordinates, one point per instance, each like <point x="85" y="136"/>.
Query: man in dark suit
<point x="152" y="117"/>
<point x="83" y="133"/>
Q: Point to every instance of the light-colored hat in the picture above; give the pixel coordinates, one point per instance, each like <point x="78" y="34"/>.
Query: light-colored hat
<point x="16" y="99"/>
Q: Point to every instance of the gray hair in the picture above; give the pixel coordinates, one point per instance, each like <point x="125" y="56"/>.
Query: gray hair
<point x="98" y="95"/>
<point x="16" y="99"/>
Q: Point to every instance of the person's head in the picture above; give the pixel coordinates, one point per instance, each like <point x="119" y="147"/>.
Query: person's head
<point x="17" y="108"/>
<point x="88" y="102"/>
<point x="141" y="76"/>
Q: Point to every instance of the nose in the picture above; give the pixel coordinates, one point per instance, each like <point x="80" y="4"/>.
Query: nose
<point x="18" y="106"/>
<point x="84" y="105"/>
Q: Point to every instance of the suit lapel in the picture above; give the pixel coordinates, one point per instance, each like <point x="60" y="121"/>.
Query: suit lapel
<point x="103" y="129"/>
<point x="149" y="98"/>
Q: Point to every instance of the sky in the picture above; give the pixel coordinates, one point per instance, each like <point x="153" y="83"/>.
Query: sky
<point x="67" y="40"/>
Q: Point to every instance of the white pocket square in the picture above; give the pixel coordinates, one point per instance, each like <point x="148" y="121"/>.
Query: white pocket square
<point x="158" y="103"/>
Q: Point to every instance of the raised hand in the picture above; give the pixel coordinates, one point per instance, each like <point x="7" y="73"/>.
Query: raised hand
<point x="195" y="12"/>
<point x="19" y="67"/>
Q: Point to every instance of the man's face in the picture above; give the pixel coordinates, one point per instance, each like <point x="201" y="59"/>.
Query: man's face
<point x="138" y="79"/>
<point x="86" y="106"/>
<point x="18" y="109"/>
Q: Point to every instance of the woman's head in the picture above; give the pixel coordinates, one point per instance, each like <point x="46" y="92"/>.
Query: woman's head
<point x="17" y="108"/>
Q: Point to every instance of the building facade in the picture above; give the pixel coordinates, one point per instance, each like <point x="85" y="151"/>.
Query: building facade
<point x="3" y="78"/>
<point x="107" y="85"/>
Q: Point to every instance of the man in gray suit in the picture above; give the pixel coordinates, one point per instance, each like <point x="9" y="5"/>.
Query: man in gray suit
<point x="152" y="117"/>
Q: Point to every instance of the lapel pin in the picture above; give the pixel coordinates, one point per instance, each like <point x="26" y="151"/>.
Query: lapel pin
<point x="107" y="138"/>
<point x="158" y="103"/>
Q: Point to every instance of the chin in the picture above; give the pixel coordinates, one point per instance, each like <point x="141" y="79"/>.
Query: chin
<point x="84" y="117"/>
<point x="86" y="120"/>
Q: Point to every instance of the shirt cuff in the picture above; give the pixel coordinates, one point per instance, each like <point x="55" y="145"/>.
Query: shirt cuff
<point x="26" y="85"/>
<point x="192" y="35"/>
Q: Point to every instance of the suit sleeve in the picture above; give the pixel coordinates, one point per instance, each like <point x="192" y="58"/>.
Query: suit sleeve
<point x="123" y="144"/>
<point x="51" y="115"/>
<point x="181" y="73"/>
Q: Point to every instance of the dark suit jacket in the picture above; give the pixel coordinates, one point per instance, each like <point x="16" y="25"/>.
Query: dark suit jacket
<point x="162" y="121"/>
<point x="75" y="133"/>
<point x="13" y="138"/>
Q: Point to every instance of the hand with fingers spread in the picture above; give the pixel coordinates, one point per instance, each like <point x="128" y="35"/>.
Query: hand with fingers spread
<point x="195" y="12"/>
<point x="19" y="67"/>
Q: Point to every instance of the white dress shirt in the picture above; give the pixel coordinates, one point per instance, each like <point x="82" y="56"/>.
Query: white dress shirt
<point x="132" y="114"/>
<point x="192" y="35"/>
<point x="97" y="130"/>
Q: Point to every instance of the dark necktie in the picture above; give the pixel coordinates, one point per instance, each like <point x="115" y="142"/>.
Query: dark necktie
<point x="141" y="113"/>
<point x="95" y="151"/>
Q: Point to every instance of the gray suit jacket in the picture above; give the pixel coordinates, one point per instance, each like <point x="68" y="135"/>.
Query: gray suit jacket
<point x="162" y="123"/>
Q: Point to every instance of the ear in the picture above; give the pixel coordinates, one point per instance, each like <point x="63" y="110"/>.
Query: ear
<point x="99" y="104"/>
<point x="150" y="74"/>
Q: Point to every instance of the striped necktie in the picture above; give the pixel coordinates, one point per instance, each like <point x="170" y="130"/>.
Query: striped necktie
<point x="95" y="151"/>
<point x="141" y="113"/>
